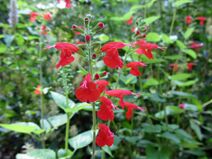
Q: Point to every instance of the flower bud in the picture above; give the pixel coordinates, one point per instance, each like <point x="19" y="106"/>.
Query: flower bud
<point x="94" y="56"/>
<point x="74" y="27"/>
<point x="182" y="106"/>
<point x="87" y="38"/>
<point x="105" y="73"/>
<point x="86" y="20"/>
<point x="96" y="77"/>
<point x="101" y="25"/>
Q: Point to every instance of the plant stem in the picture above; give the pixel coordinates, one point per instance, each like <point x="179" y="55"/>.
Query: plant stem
<point x="173" y="20"/>
<point x="67" y="133"/>
<point x="42" y="109"/>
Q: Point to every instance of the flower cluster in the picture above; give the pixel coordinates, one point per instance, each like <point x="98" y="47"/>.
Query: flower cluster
<point x="201" y="19"/>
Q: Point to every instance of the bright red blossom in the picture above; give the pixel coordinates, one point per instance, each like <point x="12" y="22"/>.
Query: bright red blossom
<point x="119" y="93"/>
<point x="134" y="67"/>
<point x="88" y="90"/>
<point x="146" y="48"/>
<point x="104" y="136"/>
<point x="195" y="45"/>
<point x="102" y="85"/>
<point x="182" y="106"/>
<point x="47" y="16"/>
<point x="33" y="16"/>
<point x="130" y="107"/>
<point x="112" y="58"/>
<point x="105" y="111"/>
<point x="190" y="66"/>
<point x="188" y="20"/>
<point x="44" y="30"/>
<point x="68" y="3"/>
<point x="37" y="91"/>
<point x="101" y="25"/>
<point x="201" y="20"/>
<point x="66" y="55"/>
<point x="130" y="21"/>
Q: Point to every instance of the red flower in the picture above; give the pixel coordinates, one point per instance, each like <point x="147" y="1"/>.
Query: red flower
<point x="195" y="45"/>
<point x="130" y="107"/>
<point x="104" y="136"/>
<point x="119" y="94"/>
<point x="88" y="90"/>
<point x="134" y="67"/>
<point x="68" y="3"/>
<point x="102" y="84"/>
<point x="182" y="106"/>
<point x="112" y="58"/>
<point x="33" y="16"/>
<point x="146" y="48"/>
<point x="106" y="110"/>
<point x="130" y="21"/>
<point x="47" y="16"/>
<point x="188" y="20"/>
<point x="87" y="38"/>
<point x="37" y="91"/>
<point x="44" y="30"/>
<point x="174" y="67"/>
<point x="201" y="20"/>
<point x="67" y="50"/>
<point x="190" y="66"/>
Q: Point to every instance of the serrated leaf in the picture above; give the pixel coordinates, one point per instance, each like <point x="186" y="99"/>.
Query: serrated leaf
<point x="190" y="52"/>
<point x="23" y="127"/>
<point x="81" y="140"/>
<point x="179" y="3"/>
<point x="38" y="154"/>
<point x="60" y="100"/>
<point x="150" y="20"/>
<point x="153" y="37"/>
<point x="188" y="33"/>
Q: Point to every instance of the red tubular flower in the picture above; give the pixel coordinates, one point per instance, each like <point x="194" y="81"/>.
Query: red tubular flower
<point x="188" y="20"/>
<point x="146" y="48"/>
<point x="105" y="112"/>
<point x="37" y="91"/>
<point x="66" y="56"/>
<point x="119" y="93"/>
<point x="96" y="77"/>
<point x="104" y="136"/>
<point x="130" y="107"/>
<point x="182" y="106"/>
<point x="195" y="45"/>
<point x="47" y="16"/>
<point x="174" y="67"/>
<point x="88" y="90"/>
<point x="68" y="3"/>
<point x="134" y="67"/>
<point x="190" y="66"/>
<point x="44" y="30"/>
<point x="130" y="21"/>
<point x="33" y="16"/>
<point x="201" y="20"/>
<point x="102" y="85"/>
<point x="112" y="58"/>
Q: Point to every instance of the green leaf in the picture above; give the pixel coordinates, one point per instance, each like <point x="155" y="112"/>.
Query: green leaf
<point x="54" y="121"/>
<point x="151" y="82"/>
<point x="23" y="127"/>
<point x="3" y="48"/>
<point x="188" y="33"/>
<point x="151" y="19"/>
<point x="181" y="76"/>
<point x="107" y="150"/>
<point x="104" y="38"/>
<point x="151" y="128"/>
<point x="38" y="154"/>
<point x="63" y="154"/>
<point x="166" y="39"/>
<point x="19" y="40"/>
<point x="125" y="17"/>
<point x="190" y="52"/>
<point x="179" y="3"/>
<point x="8" y="39"/>
<point x="169" y="110"/>
<point x="196" y="129"/>
<point x="185" y="84"/>
<point x="60" y="100"/>
<point x="81" y="140"/>
<point x="153" y="37"/>
<point x="181" y="45"/>
<point x="172" y="137"/>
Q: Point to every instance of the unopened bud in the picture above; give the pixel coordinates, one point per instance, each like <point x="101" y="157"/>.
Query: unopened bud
<point x="87" y="38"/>
<point x="96" y="77"/>
<point x="101" y="25"/>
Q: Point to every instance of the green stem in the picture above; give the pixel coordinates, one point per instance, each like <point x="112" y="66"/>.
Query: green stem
<point x="173" y="20"/>
<point x="67" y="133"/>
<point x="41" y="95"/>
